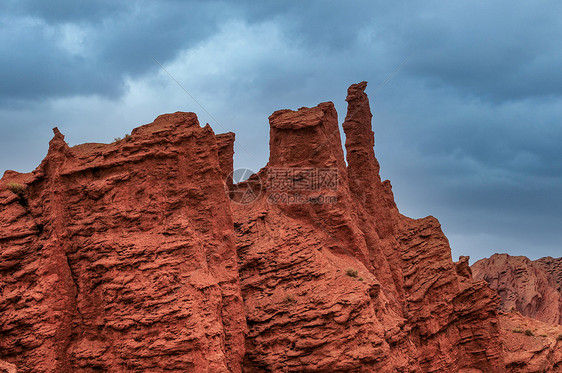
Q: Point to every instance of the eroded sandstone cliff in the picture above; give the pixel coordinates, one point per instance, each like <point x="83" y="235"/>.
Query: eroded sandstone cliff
<point x="130" y="257"/>
<point x="351" y="285"/>
<point x="121" y="257"/>
<point x="530" y="287"/>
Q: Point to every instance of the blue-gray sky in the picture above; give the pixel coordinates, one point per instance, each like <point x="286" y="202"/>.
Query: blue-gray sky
<point x="466" y="95"/>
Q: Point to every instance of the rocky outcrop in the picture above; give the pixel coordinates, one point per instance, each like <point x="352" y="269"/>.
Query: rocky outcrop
<point x="121" y="257"/>
<point x="225" y="146"/>
<point x="320" y="260"/>
<point x="7" y="367"/>
<point x="131" y="257"/>
<point x="530" y="287"/>
<point x="552" y="266"/>
<point x="530" y="345"/>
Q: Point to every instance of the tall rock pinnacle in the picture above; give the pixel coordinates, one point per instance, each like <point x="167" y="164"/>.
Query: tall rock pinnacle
<point x="363" y="167"/>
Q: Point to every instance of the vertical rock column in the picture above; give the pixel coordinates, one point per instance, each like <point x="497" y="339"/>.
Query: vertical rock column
<point x="363" y="168"/>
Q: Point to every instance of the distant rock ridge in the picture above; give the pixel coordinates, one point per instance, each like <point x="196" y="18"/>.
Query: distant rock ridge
<point x="552" y="266"/>
<point x="531" y="287"/>
<point x="144" y="256"/>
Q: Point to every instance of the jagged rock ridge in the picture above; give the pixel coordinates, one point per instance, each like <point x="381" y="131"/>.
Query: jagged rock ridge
<point x="530" y="287"/>
<point x="130" y="257"/>
<point x="117" y="255"/>
<point x="410" y="311"/>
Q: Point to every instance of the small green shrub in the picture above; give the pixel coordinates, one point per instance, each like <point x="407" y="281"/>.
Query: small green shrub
<point x="352" y="272"/>
<point x="16" y="188"/>
<point x="559" y="338"/>
<point x="529" y="333"/>
<point x="126" y="138"/>
<point x="517" y="331"/>
<point x="544" y="335"/>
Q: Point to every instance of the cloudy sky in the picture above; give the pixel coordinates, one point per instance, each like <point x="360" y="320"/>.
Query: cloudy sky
<point x="466" y="95"/>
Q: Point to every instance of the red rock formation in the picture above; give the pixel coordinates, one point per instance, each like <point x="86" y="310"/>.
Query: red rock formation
<point x="225" y="144"/>
<point x="130" y="257"/>
<point x="552" y="266"/>
<point x="351" y="285"/>
<point x="530" y="287"/>
<point x="7" y="367"/>
<point x="121" y="257"/>
<point x="530" y="345"/>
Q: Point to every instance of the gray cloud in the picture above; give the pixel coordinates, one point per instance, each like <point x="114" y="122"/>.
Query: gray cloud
<point x="61" y="49"/>
<point x="498" y="51"/>
<point x="63" y="10"/>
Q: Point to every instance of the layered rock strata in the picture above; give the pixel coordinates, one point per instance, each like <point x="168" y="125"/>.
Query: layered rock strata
<point x="352" y="267"/>
<point x="530" y="287"/>
<point x="121" y="257"/>
<point x="130" y="257"/>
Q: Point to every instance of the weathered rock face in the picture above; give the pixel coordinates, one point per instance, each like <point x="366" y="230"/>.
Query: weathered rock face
<point x="552" y="266"/>
<point x="121" y="257"/>
<point x="530" y="345"/>
<point x="7" y="367"/>
<point x="225" y="144"/>
<point x="335" y="279"/>
<point x="530" y="287"/>
<point x="131" y="257"/>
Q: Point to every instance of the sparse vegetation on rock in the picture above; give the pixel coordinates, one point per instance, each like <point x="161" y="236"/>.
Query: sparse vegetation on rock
<point x="16" y="188"/>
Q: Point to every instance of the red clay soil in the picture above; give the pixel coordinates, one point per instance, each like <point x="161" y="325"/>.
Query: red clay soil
<point x="130" y="257"/>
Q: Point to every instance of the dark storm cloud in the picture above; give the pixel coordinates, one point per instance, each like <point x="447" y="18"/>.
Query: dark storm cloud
<point x="63" y="10"/>
<point x="500" y="51"/>
<point x="33" y="66"/>
<point x="59" y="49"/>
<point x="466" y="96"/>
<point x="65" y="48"/>
<point x="495" y="51"/>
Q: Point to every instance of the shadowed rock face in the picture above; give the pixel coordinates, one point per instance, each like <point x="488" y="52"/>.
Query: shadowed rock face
<point x="131" y="257"/>
<point x="530" y="287"/>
